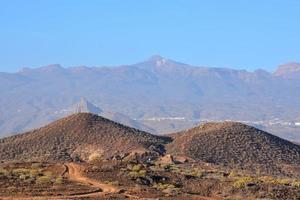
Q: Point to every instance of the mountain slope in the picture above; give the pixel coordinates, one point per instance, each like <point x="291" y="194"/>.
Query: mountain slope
<point x="87" y="107"/>
<point x="236" y="145"/>
<point x="79" y="136"/>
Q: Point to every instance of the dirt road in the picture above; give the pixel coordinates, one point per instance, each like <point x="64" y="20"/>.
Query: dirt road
<point x="75" y="173"/>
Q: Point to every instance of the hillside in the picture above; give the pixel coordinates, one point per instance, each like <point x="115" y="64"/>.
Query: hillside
<point x="155" y="88"/>
<point x="87" y="107"/>
<point x="79" y="137"/>
<point x="236" y="145"/>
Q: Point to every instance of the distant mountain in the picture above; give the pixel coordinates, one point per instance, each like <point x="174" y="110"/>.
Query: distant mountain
<point x="149" y="91"/>
<point x="289" y="70"/>
<point x="80" y="136"/>
<point x="85" y="106"/>
<point x="236" y="145"/>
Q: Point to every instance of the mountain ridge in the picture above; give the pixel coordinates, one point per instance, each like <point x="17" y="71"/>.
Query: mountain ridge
<point x="145" y="91"/>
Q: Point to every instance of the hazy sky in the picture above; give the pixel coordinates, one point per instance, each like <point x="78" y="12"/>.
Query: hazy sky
<point x="244" y="34"/>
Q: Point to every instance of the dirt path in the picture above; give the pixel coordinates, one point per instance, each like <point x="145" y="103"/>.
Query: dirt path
<point x="75" y="173"/>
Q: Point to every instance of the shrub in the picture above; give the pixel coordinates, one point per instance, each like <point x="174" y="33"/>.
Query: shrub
<point x="283" y="182"/>
<point x="36" y="165"/>
<point x="142" y="173"/>
<point x="3" y="172"/>
<point x="137" y="167"/>
<point x="115" y="183"/>
<point x="242" y="182"/>
<point x="59" y="180"/>
<point x="96" y="156"/>
<point x="163" y="186"/>
<point x="43" y="180"/>
<point x="232" y="174"/>
<point x="34" y="173"/>
<point x="20" y="171"/>
<point x="277" y="181"/>
<point x="194" y="173"/>
<point x="296" y="183"/>
<point x="267" y="179"/>
<point x="133" y="174"/>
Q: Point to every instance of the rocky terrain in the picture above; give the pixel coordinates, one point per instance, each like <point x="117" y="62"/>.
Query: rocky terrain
<point x="85" y="156"/>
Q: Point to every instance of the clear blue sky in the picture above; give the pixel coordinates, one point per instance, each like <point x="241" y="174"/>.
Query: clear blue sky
<point x="243" y="34"/>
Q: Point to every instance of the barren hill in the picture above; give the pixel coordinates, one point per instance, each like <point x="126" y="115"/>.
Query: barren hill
<point x="87" y="107"/>
<point x="236" y="145"/>
<point x="79" y="136"/>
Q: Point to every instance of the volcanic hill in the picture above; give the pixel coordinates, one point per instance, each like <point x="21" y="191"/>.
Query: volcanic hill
<point x="80" y="136"/>
<point x="236" y="145"/>
<point x="84" y="137"/>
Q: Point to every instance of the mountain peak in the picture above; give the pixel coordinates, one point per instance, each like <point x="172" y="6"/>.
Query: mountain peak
<point x="156" y="57"/>
<point x="84" y="106"/>
<point x="158" y="60"/>
<point x="287" y="68"/>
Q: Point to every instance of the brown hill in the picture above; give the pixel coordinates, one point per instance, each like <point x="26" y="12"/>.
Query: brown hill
<point x="236" y="145"/>
<point x="80" y="136"/>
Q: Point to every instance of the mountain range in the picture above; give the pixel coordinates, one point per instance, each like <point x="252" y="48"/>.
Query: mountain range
<point x="158" y="94"/>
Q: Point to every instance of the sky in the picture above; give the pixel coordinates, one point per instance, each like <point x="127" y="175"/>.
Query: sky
<point x="240" y="34"/>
